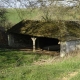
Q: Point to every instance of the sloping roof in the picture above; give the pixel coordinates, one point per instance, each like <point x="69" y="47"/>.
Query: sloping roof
<point x="63" y="30"/>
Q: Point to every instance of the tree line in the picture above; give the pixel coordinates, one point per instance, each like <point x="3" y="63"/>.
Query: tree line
<point x="70" y="8"/>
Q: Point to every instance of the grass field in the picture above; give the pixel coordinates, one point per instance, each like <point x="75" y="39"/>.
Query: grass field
<point x="18" y="65"/>
<point x="16" y="15"/>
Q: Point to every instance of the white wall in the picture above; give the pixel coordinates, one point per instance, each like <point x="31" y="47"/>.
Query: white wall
<point x="69" y="46"/>
<point x="10" y="40"/>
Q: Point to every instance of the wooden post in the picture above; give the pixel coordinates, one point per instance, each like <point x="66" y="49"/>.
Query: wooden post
<point x="34" y="40"/>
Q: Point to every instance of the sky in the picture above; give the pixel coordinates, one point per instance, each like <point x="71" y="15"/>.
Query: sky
<point x="17" y="4"/>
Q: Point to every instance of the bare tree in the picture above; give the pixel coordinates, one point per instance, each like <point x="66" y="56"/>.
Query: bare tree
<point x="52" y="9"/>
<point x="3" y="18"/>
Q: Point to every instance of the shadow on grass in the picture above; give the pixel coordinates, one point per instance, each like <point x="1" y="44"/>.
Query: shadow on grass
<point x="14" y="57"/>
<point x="10" y="57"/>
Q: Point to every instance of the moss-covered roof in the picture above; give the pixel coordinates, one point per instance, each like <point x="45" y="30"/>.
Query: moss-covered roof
<point x="63" y="30"/>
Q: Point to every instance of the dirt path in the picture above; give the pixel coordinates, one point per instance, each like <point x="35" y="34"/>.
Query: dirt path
<point x="70" y="75"/>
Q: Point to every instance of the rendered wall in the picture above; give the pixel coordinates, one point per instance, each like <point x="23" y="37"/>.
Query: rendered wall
<point x="10" y="40"/>
<point x="69" y="46"/>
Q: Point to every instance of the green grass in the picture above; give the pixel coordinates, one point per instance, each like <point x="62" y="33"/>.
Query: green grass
<point x="13" y="58"/>
<point x="16" y="15"/>
<point x="18" y="65"/>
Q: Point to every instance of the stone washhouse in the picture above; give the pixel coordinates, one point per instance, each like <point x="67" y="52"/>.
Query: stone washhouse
<point x="57" y="35"/>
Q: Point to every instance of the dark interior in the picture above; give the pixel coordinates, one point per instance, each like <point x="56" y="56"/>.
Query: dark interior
<point x="44" y="43"/>
<point x="48" y="43"/>
<point x="23" y="41"/>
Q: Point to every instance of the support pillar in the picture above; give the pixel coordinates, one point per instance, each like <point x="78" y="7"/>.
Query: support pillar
<point x="34" y="40"/>
<point x="10" y="40"/>
<point x="62" y="49"/>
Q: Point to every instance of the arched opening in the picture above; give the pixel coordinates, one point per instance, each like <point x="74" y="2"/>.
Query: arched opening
<point x="50" y="44"/>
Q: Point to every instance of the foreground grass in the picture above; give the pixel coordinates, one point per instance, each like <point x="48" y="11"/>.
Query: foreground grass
<point x="12" y="58"/>
<point x="17" y="65"/>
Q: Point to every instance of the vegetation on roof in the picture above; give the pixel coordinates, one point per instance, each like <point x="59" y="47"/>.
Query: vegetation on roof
<point x="55" y="29"/>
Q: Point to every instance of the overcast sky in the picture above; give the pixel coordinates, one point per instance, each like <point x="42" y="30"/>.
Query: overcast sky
<point x="17" y="4"/>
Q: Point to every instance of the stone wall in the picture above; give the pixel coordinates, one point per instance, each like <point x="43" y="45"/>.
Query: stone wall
<point x="10" y="40"/>
<point x="69" y="46"/>
<point x="19" y="41"/>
